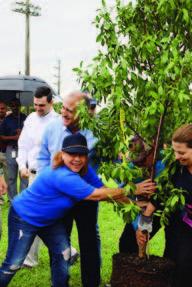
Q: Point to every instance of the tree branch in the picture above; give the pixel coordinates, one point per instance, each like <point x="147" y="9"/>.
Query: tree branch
<point x="157" y="140"/>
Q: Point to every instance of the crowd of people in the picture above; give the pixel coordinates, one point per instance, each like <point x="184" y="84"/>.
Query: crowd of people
<point x="58" y="186"/>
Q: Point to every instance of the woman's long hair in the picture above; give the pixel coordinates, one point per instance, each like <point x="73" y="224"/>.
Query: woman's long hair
<point x="58" y="162"/>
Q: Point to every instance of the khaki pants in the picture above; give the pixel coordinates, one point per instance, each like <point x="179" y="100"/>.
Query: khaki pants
<point x="32" y="257"/>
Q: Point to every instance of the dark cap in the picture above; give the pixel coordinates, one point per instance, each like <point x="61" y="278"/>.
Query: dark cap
<point x="75" y="143"/>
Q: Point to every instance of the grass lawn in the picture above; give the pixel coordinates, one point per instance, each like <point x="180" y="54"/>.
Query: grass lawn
<point x="111" y="226"/>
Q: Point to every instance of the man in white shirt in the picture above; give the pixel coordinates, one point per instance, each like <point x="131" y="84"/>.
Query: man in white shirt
<point x="28" y="148"/>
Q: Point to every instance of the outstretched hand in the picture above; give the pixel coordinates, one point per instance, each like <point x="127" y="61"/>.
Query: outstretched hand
<point x="146" y="186"/>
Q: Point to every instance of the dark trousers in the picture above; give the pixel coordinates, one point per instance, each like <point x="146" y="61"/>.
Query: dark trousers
<point x="128" y="241"/>
<point x="184" y="258"/>
<point x="85" y="215"/>
<point x="172" y="235"/>
<point x="21" y="237"/>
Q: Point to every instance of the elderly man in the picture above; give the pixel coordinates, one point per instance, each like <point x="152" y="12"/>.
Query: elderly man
<point x="84" y="212"/>
<point x="29" y="145"/>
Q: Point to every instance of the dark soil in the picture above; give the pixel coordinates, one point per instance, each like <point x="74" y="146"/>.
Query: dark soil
<point x="131" y="270"/>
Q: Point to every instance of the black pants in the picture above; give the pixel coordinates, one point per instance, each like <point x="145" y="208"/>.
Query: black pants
<point x="85" y="215"/>
<point x="184" y="258"/>
<point x="128" y="241"/>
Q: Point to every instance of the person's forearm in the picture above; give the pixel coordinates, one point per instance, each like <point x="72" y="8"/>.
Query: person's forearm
<point x="105" y="193"/>
<point x="7" y="138"/>
<point x="124" y="199"/>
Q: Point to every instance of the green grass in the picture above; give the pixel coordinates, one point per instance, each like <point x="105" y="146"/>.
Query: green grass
<point x="111" y="226"/>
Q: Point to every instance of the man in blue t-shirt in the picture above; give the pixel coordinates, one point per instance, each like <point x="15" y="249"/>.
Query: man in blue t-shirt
<point x="10" y="130"/>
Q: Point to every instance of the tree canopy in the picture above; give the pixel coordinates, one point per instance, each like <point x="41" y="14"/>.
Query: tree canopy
<point x="143" y="70"/>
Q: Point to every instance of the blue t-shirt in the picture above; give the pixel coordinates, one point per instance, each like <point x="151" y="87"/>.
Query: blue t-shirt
<point x="9" y="126"/>
<point x="53" y="193"/>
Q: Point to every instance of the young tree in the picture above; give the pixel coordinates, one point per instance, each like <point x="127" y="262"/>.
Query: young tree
<point x="143" y="70"/>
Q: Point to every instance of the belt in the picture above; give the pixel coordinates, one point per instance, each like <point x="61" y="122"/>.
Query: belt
<point x="13" y="146"/>
<point x="33" y="171"/>
<point x="3" y="151"/>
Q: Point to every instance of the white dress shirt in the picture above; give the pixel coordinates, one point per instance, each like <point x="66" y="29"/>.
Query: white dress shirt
<point x="30" y="139"/>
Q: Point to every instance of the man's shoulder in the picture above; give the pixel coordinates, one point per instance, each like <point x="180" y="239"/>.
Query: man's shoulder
<point x="54" y="114"/>
<point x="54" y="123"/>
<point x="7" y="118"/>
<point x="91" y="139"/>
<point x="32" y="115"/>
<point x="56" y="119"/>
<point x="30" y="118"/>
<point x="23" y="116"/>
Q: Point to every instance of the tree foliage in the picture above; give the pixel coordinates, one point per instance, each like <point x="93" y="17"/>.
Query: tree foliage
<point x="143" y="70"/>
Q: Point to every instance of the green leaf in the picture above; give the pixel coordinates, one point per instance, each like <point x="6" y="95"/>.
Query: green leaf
<point x="164" y="58"/>
<point x="180" y="98"/>
<point x="99" y="37"/>
<point x="165" y="40"/>
<point x="103" y="3"/>
<point x="182" y="198"/>
<point x="160" y="91"/>
<point x="161" y="108"/>
<point x="185" y="15"/>
<point x="174" y="200"/>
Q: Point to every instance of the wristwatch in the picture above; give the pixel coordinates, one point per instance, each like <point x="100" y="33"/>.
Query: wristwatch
<point x="1" y="172"/>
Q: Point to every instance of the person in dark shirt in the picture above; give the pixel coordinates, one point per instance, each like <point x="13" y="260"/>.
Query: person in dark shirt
<point x="3" y="163"/>
<point x="10" y="130"/>
<point x="3" y="146"/>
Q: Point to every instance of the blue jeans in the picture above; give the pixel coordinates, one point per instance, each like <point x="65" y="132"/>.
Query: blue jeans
<point x="85" y="214"/>
<point x="21" y="236"/>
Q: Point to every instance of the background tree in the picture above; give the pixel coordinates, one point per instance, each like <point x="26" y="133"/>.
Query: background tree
<point x="143" y="70"/>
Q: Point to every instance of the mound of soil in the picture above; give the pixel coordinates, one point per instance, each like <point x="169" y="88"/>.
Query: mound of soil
<point x="131" y="270"/>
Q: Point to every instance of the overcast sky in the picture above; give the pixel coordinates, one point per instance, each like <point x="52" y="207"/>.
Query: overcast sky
<point x="63" y="31"/>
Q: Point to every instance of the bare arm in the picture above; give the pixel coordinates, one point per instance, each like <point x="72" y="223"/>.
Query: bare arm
<point x="8" y="138"/>
<point x="149" y="209"/>
<point x="104" y="193"/>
